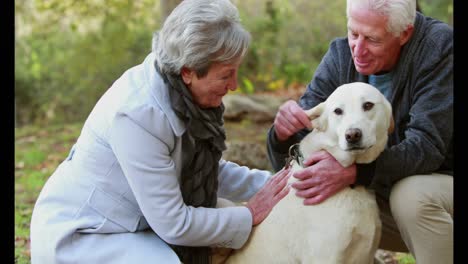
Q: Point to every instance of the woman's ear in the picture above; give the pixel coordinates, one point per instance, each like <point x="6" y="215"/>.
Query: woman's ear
<point x="187" y="75"/>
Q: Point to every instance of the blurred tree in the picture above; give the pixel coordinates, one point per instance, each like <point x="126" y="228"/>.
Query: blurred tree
<point x="68" y="52"/>
<point x="439" y="9"/>
<point x="418" y="7"/>
<point x="166" y="8"/>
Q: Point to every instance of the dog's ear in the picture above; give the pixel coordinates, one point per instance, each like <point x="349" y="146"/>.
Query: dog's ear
<point x="388" y="110"/>
<point x="392" y="125"/>
<point x="319" y="121"/>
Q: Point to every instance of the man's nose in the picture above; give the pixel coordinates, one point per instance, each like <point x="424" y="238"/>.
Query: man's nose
<point x="360" y="47"/>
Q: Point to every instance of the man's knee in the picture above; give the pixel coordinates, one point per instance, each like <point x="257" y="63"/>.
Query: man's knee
<point x="413" y="197"/>
<point x="422" y="207"/>
<point x="405" y="200"/>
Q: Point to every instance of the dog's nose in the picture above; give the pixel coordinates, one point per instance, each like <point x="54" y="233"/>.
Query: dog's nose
<point x="353" y="135"/>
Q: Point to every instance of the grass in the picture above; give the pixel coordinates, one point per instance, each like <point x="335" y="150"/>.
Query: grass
<point x="38" y="151"/>
<point x="404" y="258"/>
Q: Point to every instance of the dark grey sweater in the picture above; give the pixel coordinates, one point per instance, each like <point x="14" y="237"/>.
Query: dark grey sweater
<point x="422" y="101"/>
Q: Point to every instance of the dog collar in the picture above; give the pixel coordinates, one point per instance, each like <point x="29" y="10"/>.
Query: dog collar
<point x="295" y="154"/>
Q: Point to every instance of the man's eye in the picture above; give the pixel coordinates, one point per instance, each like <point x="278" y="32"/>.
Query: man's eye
<point x="353" y="35"/>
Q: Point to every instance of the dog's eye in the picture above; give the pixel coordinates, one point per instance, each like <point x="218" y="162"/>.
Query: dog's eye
<point x="367" y="106"/>
<point x="338" y="111"/>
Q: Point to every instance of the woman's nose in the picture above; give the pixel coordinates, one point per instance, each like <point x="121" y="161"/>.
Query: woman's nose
<point x="232" y="85"/>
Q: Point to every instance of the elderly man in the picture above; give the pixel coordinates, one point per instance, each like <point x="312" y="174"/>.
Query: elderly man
<point x="409" y="57"/>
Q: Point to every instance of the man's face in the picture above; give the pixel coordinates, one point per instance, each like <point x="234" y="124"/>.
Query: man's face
<point x="374" y="50"/>
<point x="208" y="91"/>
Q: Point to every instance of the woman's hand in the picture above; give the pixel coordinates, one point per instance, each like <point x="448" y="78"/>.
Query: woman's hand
<point x="261" y="204"/>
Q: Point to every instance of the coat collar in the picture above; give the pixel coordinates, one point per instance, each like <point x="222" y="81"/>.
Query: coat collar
<point x="159" y="90"/>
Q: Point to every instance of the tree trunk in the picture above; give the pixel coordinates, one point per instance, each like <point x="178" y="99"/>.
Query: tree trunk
<point x="167" y="6"/>
<point x="418" y="7"/>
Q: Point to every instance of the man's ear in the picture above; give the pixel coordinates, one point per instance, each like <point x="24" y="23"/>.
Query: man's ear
<point x="317" y="116"/>
<point x="187" y="75"/>
<point x="406" y="34"/>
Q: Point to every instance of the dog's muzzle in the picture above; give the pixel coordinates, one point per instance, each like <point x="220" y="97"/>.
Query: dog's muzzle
<point x="353" y="136"/>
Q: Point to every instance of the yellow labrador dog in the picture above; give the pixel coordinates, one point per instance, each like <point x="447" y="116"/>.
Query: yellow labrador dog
<point x="352" y="125"/>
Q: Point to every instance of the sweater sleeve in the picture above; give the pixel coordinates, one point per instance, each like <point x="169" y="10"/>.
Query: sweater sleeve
<point x="423" y="143"/>
<point x="278" y="151"/>
<point x="239" y="183"/>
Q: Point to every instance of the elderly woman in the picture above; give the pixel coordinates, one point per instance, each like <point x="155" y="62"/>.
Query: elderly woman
<point x="142" y="182"/>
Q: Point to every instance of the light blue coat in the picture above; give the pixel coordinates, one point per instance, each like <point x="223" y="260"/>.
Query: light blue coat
<point x="116" y="198"/>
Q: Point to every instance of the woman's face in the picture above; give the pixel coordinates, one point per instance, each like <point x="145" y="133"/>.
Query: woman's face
<point x="208" y="91"/>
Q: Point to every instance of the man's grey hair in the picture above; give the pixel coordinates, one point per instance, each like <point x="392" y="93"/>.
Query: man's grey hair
<point x="400" y="13"/>
<point x="199" y="33"/>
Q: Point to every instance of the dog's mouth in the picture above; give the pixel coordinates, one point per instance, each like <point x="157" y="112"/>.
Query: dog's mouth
<point x="357" y="148"/>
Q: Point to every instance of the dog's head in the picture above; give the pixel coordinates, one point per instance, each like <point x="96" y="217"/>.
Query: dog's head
<point x="359" y="118"/>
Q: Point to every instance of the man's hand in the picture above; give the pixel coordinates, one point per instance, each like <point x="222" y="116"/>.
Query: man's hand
<point x="290" y="119"/>
<point x="261" y="204"/>
<point x="322" y="177"/>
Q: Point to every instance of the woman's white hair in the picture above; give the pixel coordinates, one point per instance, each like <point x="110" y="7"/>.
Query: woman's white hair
<point x="400" y="13"/>
<point x="198" y="33"/>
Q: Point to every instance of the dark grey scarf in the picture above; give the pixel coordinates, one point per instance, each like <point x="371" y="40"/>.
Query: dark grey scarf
<point x="202" y="147"/>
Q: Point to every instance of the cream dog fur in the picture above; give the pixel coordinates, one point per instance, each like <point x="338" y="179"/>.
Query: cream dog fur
<point x="352" y="125"/>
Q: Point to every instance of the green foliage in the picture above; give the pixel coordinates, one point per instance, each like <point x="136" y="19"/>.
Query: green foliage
<point x="288" y="40"/>
<point x="404" y="258"/>
<point x="439" y="9"/>
<point x="67" y="53"/>
<point x="247" y="87"/>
